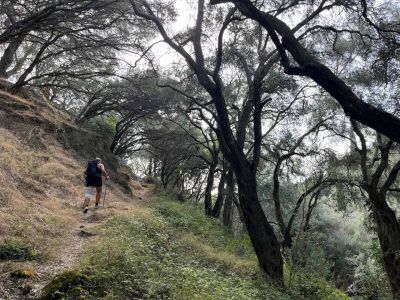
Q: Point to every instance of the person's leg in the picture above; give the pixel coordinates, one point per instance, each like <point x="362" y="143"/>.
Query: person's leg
<point x="88" y="194"/>
<point x="98" y="195"/>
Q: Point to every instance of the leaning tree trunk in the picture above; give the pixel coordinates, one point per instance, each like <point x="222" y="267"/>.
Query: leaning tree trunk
<point x="388" y="230"/>
<point x="261" y="233"/>
<point x="7" y="58"/>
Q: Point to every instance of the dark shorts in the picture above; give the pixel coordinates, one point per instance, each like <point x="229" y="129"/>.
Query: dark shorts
<point x="94" y="181"/>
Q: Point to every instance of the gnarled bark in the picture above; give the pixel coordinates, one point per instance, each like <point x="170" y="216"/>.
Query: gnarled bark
<point x="7" y="58"/>
<point x="387" y="224"/>
<point x="388" y="230"/>
<point x="260" y="231"/>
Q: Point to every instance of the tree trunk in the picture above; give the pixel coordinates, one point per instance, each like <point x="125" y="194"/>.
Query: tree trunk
<point x="207" y="196"/>
<point x="220" y="198"/>
<point x="261" y="233"/>
<point x="228" y="204"/>
<point x="388" y="230"/>
<point x="163" y="175"/>
<point x="7" y="58"/>
<point x="150" y="167"/>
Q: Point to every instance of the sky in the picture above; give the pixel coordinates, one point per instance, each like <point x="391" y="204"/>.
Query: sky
<point x="186" y="10"/>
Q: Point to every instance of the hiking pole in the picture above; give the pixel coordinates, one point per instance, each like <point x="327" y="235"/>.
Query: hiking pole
<point x="105" y="193"/>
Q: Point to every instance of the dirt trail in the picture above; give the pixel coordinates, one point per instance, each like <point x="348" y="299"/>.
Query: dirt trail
<point x="71" y="250"/>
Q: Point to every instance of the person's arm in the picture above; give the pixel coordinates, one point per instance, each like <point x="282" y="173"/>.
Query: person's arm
<point x="103" y="171"/>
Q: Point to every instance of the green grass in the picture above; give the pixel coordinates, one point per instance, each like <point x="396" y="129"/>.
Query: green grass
<point x="169" y="251"/>
<point x="191" y="221"/>
<point x="13" y="249"/>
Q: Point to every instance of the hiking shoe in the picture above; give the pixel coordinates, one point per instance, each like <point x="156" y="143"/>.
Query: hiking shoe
<point x="96" y="205"/>
<point x="86" y="209"/>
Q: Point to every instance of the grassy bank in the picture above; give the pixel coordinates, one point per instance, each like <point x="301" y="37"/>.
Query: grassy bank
<point x="167" y="250"/>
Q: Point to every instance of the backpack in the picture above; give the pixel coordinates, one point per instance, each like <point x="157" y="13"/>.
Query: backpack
<point x="92" y="169"/>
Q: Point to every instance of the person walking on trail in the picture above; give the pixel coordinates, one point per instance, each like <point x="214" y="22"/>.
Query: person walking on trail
<point x="94" y="171"/>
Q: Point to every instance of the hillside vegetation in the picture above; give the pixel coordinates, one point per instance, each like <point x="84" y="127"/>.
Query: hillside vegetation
<point x="139" y="247"/>
<point x="167" y="250"/>
<point x="279" y="121"/>
<point x="41" y="190"/>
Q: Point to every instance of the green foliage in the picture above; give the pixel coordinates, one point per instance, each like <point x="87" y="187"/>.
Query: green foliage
<point x="13" y="249"/>
<point x="307" y="268"/>
<point x="313" y="286"/>
<point x="340" y="235"/>
<point x="103" y="125"/>
<point x="188" y="219"/>
<point x="370" y="276"/>
<point x="149" y="256"/>
<point x="67" y="285"/>
<point x="94" y="140"/>
<point x="307" y="257"/>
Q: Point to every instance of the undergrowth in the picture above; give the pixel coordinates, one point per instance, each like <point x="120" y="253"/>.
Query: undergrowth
<point x="172" y="251"/>
<point x="13" y="249"/>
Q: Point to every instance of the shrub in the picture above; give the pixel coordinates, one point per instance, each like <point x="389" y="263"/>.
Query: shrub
<point x="312" y="286"/>
<point x="103" y="125"/>
<point x="370" y="276"/>
<point x="13" y="249"/>
<point x="67" y="285"/>
<point x="149" y="179"/>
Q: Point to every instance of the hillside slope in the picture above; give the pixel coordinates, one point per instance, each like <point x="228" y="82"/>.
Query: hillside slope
<point x="42" y="159"/>
<point x="141" y="245"/>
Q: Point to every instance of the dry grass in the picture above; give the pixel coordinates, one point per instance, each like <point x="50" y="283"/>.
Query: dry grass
<point x="41" y="188"/>
<point x="36" y="109"/>
<point x="15" y="98"/>
<point x="34" y="187"/>
<point x="41" y="193"/>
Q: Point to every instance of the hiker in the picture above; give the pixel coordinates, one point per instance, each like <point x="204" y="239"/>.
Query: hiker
<point x="94" y="170"/>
